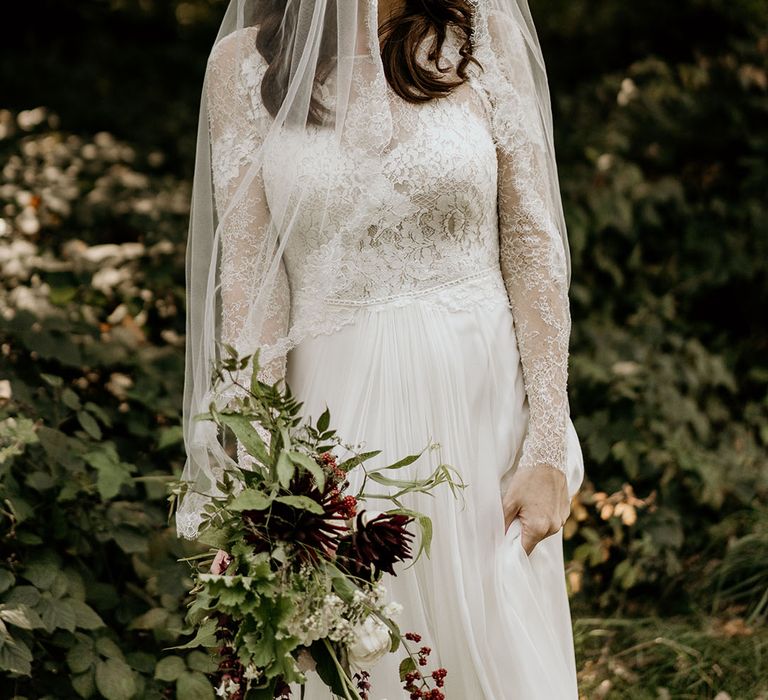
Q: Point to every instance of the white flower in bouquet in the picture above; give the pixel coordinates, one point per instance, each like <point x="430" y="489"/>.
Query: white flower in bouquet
<point x="371" y="642"/>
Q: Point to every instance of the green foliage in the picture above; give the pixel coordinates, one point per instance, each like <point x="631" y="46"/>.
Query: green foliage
<point x="660" y="110"/>
<point x="90" y="587"/>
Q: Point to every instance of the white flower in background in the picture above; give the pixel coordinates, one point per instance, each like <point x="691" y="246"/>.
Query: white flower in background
<point x="372" y="641"/>
<point x="5" y="390"/>
<point x="627" y="93"/>
<point x="119" y="384"/>
<point x="30" y="118"/>
<point x="106" y="279"/>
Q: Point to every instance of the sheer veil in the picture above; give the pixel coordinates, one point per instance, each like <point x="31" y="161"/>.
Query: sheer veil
<point x="282" y="76"/>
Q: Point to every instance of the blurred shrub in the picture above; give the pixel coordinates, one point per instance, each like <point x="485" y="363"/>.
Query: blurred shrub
<point x="668" y="217"/>
<point x="91" y="353"/>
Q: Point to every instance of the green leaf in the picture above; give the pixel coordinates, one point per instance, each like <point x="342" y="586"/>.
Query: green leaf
<point x="249" y="499"/>
<point x="303" y="503"/>
<point x="28" y="595"/>
<point x="407" y="665"/>
<point x="324" y="420"/>
<point x="285" y="468"/>
<point x="404" y="462"/>
<point x="352" y="462"/>
<point x="57" y="614"/>
<point x="89" y="424"/>
<point x="194" y="685"/>
<point x="114" y="679"/>
<point x="170" y="668"/>
<point x="7" y="579"/>
<point x="106" y="647"/>
<point x="153" y="619"/>
<point x="20" y="616"/>
<point x="112" y="473"/>
<point x="170" y="436"/>
<point x="84" y="684"/>
<point x="16" y="657"/>
<point x="205" y="663"/>
<point x="327" y="669"/>
<point x="311" y="466"/>
<point x="85" y="616"/>
<point x="42" y="572"/>
<point x="247" y="435"/>
<point x="80" y="657"/>
<point x="205" y="637"/>
<point x="70" y="399"/>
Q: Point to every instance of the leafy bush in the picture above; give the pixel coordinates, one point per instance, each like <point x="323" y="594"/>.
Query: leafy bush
<point x="89" y="417"/>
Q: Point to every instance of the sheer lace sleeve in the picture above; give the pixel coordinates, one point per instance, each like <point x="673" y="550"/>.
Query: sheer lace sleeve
<point x="238" y="123"/>
<point x="532" y="258"/>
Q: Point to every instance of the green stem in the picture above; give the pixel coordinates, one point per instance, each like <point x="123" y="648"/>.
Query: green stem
<point x="345" y="679"/>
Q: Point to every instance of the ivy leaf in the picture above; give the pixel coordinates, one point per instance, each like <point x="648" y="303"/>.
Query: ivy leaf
<point x="114" y="679"/>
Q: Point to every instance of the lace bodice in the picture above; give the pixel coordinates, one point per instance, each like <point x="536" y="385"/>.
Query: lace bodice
<point x="451" y="213"/>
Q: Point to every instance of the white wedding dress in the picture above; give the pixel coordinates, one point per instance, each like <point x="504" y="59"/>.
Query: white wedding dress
<point x="451" y="325"/>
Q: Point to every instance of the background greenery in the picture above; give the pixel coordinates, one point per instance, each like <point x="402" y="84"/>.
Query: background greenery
<point x="662" y="129"/>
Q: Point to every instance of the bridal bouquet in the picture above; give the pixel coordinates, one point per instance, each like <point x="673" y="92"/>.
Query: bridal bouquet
<point x="301" y="589"/>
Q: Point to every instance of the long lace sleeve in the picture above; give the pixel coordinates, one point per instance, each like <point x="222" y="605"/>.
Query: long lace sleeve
<point x="533" y="264"/>
<point x="238" y="123"/>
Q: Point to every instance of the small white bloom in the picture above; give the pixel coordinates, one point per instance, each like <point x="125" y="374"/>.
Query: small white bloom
<point x="371" y="642"/>
<point x="392" y="609"/>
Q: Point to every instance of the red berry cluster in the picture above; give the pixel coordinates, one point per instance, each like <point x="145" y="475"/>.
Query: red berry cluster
<point x="363" y="683"/>
<point x="416" y="683"/>
<point x="328" y="460"/>
<point x="349" y="504"/>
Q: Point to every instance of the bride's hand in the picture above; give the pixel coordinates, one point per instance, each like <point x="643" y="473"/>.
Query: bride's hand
<point x="539" y="497"/>
<point x="220" y="562"/>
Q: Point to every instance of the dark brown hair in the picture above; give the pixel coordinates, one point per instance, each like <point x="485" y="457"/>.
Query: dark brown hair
<point x="401" y="38"/>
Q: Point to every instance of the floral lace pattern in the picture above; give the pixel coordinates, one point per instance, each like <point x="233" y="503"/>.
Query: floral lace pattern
<point x="450" y="209"/>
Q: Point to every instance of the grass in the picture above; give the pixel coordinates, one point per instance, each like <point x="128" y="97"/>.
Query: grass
<point x="676" y="658"/>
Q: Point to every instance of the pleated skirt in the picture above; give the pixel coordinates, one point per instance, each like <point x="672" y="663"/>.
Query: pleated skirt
<point x="396" y="379"/>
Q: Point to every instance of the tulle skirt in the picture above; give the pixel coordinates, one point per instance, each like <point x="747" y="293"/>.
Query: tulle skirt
<point x="397" y="378"/>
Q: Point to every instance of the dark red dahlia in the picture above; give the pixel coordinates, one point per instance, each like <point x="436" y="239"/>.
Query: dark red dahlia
<point x="312" y="534"/>
<point x="375" y="545"/>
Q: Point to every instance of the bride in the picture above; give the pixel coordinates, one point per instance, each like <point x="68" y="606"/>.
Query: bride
<point x="376" y="207"/>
